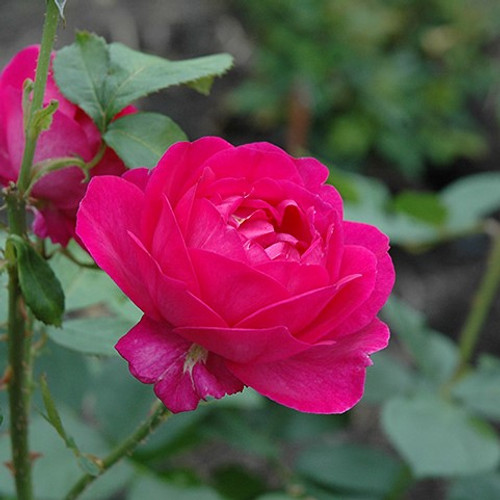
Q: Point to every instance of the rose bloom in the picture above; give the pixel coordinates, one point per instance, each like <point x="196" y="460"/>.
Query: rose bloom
<point x="55" y="197"/>
<point x="247" y="275"/>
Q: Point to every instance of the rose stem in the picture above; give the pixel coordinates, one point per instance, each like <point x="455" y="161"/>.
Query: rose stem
<point x="19" y="330"/>
<point x="481" y="304"/>
<point x="42" y="71"/>
<point x="158" y="415"/>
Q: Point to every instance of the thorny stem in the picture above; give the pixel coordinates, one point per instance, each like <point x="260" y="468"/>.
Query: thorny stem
<point x="19" y="358"/>
<point x="19" y="326"/>
<point x="158" y="415"/>
<point x="42" y="71"/>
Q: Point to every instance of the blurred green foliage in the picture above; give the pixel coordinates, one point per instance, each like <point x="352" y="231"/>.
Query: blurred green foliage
<point x="394" y="79"/>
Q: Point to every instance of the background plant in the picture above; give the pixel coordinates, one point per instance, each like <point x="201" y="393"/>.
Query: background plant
<point x="393" y="81"/>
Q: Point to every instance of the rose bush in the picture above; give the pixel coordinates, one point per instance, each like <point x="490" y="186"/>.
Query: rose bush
<point x="247" y="275"/>
<point x="55" y="197"/>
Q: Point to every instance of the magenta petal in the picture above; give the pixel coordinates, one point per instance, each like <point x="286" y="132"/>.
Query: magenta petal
<point x="323" y="379"/>
<point x="158" y="356"/>
<point x="295" y="313"/>
<point x="295" y="277"/>
<point x="232" y="288"/>
<point x="358" y="271"/>
<point x="313" y="172"/>
<point x="110" y="209"/>
<point x="266" y="161"/>
<point x="170" y="297"/>
<point x="138" y="176"/>
<point x="180" y="167"/>
<point x="162" y="236"/>
<point x="208" y="231"/>
<point x="357" y="233"/>
<point x="258" y="345"/>
<point x="383" y="286"/>
<point x="55" y="224"/>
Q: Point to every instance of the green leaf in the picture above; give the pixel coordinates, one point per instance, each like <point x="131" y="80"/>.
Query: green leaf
<point x="426" y="207"/>
<point x="435" y="354"/>
<point x="480" y="390"/>
<point x="356" y="468"/>
<point x="96" y="336"/>
<point x="470" y="199"/>
<point x="479" y="487"/>
<point x="87" y="463"/>
<point x="40" y="286"/>
<point x="141" y="139"/>
<point x="386" y="378"/>
<point x="53" y="415"/>
<point x="135" y="74"/>
<point x="103" y="79"/>
<point x="80" y="71"/>
<point x="439" y="439"/>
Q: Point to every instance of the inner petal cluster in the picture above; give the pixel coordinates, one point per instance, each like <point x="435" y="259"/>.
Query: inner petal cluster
<point x="281" y="232"/>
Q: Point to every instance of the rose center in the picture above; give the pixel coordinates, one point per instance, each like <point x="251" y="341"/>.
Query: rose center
<point x="282" y="231"/>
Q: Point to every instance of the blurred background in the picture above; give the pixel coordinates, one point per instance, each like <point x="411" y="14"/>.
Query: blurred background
<point x="401" y="99"/>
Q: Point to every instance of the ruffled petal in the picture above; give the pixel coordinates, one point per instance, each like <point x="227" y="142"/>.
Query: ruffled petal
<point x="182" y="374"/>
<point x="323" y="379"/>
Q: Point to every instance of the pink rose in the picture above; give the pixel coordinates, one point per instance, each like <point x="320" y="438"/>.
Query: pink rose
<point x="56" y="196"/>
<point x="246" y="274"/>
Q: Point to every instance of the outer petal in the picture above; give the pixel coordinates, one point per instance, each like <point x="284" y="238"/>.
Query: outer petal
<point x="110" y="209"/>
<point x="358" y="261"/>
<point x="323" y="379"/>
<point x="179" y="167"/>
<point x="253" y="162"/>
<point x="158" y="356"/>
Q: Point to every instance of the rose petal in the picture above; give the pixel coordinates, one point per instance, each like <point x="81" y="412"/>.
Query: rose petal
<point x="246" y="345"/>
<point x="267" y="162"/>
<point x="180" y="166"/>
<point x="295" y="313"/>
<point x="359" y="262"/>
<point x="208" y="231"/>
<point x="162" y="236"/>
<point x="158" y="356"/>
<point x="323" y="379"/>
<point x="110" y="209"/>
<point x="232" y="288"/>
<point x="368" y="310"/>
<point x="138" y="176"/>
<point x="294" y="276"/>
<point x="170" y="297"/>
